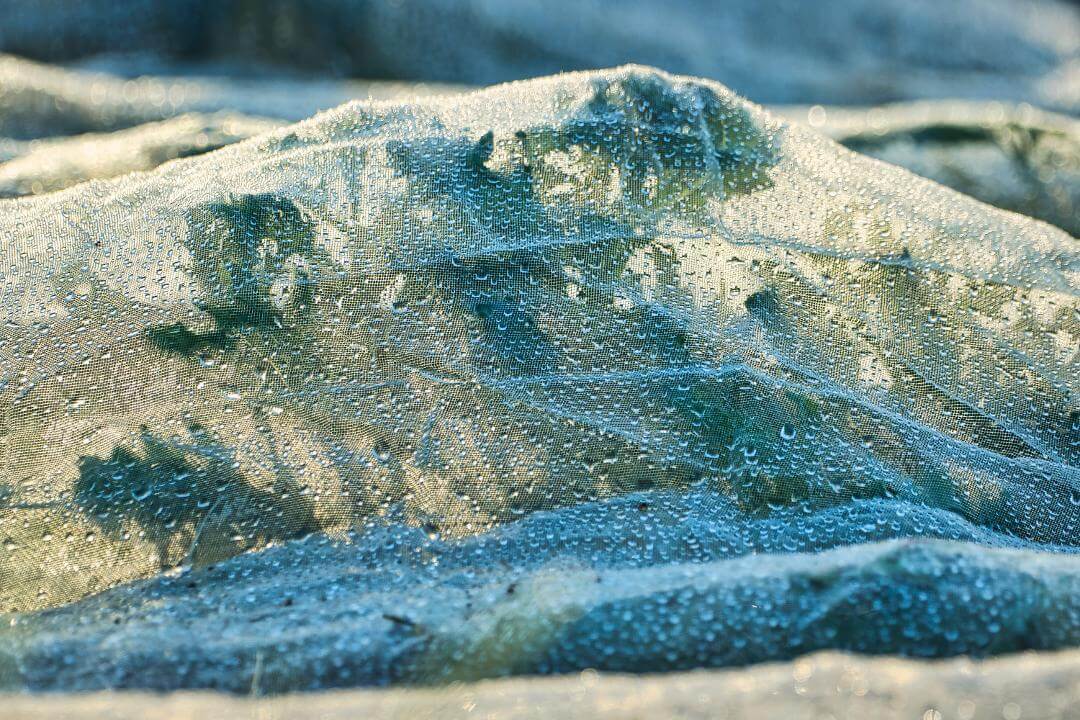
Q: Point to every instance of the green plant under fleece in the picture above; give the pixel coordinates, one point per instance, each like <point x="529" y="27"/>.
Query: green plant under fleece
<point x="606" y="370"/>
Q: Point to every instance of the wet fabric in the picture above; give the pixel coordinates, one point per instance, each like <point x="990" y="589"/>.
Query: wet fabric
<point x="606" y="370"/>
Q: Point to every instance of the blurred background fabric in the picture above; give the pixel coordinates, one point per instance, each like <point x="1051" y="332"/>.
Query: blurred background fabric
<point x="771" y="51"/>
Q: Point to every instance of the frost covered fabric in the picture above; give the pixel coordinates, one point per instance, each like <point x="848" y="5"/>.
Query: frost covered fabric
<point x="606" y="370"/>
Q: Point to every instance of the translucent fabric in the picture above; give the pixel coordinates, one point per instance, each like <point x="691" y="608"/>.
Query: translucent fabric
<point x="606" y="370"/>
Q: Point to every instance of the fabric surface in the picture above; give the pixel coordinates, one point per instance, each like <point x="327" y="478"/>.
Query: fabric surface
<point x="608" y="369"/>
